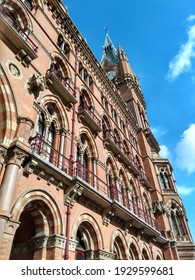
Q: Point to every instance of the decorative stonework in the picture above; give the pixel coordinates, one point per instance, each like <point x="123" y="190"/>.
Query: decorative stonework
<point x="127" y="226"/>
<point x="11" y="227"/>
<point x="162" y="206"/>
<point x="25" y="120"/>
<point x="14" y="70"/>
<point x="103" y="255"/>
<point x="56" y="241"/>
<point x="35" y="84"/>
<point x="3" y="153"/>
<point x="40" y="242"/>
<point x="71" y="193"/>
<point x="29" y="168"/>
<point x="107" y="215"/>
<point x="16" y="157"/>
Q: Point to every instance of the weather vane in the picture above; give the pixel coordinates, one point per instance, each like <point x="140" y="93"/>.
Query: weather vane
<point x="106" y="29"/>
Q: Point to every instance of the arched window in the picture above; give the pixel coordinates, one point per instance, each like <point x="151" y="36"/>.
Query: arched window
<point x="162" y="181"/>
<point x="177" y="224"/>
<point x="80" y="249"/>
<point x="85" y="166"/>
<point x="64" y="47"/>
<point x="28" y="3"/>
<point x="145" y="255"/>
<point x="167" y="181"/>
<point x="51" y="133"/>
<point x="40" y="129"/>
<point x="133" y="253"/>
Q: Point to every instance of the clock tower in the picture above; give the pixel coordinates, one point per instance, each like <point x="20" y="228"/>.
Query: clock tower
<point x="109" y="58"/>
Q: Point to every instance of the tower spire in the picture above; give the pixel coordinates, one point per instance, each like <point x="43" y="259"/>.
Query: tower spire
<point x="109" y="54"/>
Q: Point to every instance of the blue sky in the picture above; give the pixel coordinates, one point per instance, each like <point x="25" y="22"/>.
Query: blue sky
<point x="159" y="39"/>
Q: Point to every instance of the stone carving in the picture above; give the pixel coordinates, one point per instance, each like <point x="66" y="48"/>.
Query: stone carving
<point x="14" y="70"/>
<point x="56" y="241"/>
<point x="16" y="157"/>
<point x="35" y="84"/>
<point x="107" y="215"/>
<point x="103" y="255"/>
<point x="29" y="168"/>
<point x="71" y="193"/>
<point x="3" y="154"/>
<point x="162" y="206"/>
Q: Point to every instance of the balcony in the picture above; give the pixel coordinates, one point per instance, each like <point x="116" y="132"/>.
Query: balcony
<point x="145" y="180"/>
<point x="117" y="149"/>
<point x="99" y="191"/>
<point x="50" y="155"/>
<point x="61" y="87"/>
<point x="17" y="38"/>
<point x="89" y="116"/>
<point x="94" y="188"/>
<point x="122" y="199"/>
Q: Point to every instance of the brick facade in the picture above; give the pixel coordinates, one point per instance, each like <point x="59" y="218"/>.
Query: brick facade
<point x="81" y="176"/>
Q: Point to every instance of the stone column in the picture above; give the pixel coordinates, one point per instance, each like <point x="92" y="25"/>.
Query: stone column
<point x="89" y="177"/>
<point x="16" y="158"/>
<point x="94" y="162"/>
<point x="61" y="149"/>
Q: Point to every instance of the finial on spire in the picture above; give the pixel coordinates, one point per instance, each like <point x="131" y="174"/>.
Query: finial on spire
<point x="106" y="30"/>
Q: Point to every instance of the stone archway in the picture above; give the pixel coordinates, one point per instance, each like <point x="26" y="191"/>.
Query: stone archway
<point x="40" y="228"/>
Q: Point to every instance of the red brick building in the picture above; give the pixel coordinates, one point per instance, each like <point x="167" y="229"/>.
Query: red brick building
<point x="81" y="176"/>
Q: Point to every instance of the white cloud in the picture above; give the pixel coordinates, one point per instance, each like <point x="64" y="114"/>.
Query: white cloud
<point x="185" y="150"/>
<point x="158" y="131"/>
<point x="164" y="151"/>
<point x="185" y="190"/>
<point x="191" y="18"/>
<point x="183" y="60"/>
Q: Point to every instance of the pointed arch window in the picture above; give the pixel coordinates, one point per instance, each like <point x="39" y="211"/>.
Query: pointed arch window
<point x="177" y="224"/>
<point x="64" y="47"/>
<point x="51" y="133"/>
<point x="85" y="166"/>
<point x="28" y="4"/>
<point x="164" y="180"/>
<point x="40" y="129"/>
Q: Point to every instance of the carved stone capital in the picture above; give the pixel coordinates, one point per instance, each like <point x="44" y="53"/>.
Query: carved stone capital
<point x="16" y="156"/>
<point x="89" y="254"/>
<point x="3" y="153"/>
<point x="11" y="227"/>
<point x="56" y="240"/>
<point x="103" y="255"/>
<point x="40" y="242"/>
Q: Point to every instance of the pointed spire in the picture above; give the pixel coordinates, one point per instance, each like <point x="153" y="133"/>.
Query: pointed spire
<point x="109" y="51"/>
<point x="124" y="65"/>
<point x="121" y="54"/>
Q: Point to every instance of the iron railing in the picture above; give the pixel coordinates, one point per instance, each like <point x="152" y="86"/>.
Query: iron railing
<point x="91" y="111"/>
<point x="109" y="135"/>
<point x="49" y="154"/>
<point x="66" y="82"/>
<point x="44" y="149"/>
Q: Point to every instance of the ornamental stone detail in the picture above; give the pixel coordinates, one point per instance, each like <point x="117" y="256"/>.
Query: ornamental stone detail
<point x="16" y="156"/>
